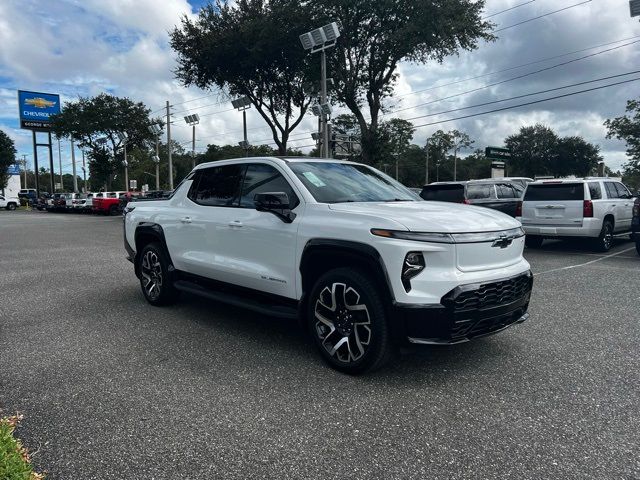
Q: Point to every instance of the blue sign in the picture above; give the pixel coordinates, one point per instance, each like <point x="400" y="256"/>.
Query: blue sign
<point x="14" y="170"/>
<point x="36" y="108"/>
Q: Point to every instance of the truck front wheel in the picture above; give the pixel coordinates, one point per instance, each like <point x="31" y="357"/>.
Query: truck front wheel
<point x="347" y="321"/>
<point x="155" y="281"/>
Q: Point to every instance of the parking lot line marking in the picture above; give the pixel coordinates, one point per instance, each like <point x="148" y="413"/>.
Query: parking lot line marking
<point x="584" y="264"/>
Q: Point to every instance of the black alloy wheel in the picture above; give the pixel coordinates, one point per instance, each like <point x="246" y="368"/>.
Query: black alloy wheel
<point x="154" y="276"/>
<point x="604" y="242"/>
<point x="348" y="323"/>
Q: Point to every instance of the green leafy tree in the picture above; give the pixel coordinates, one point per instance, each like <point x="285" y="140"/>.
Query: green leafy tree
<point x="459" y="141"/>
<point x="534" y="150"/>
<point x="7" y="158"/>
<point x="576" y="156"/>
<point x="378" y="35"/>
<point x="250" y="48"/>
<point x="95" y="124"/>
<point x="438" y="144"/>
<point x="627" y="128"/>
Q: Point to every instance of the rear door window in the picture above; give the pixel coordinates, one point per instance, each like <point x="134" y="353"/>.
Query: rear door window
<point x="480" y="192"/>
<point x="443" y="193"/>
<point x="554" y="192"/>
<point x="623" y="192"/>
<point x="611" y="190"/>
<point x="506" y="191"/>
<point x="595" y="191"/>
<point x="217" y="186"/>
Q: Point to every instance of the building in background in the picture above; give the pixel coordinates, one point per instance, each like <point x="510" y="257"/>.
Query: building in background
<point x="13" y="185"/>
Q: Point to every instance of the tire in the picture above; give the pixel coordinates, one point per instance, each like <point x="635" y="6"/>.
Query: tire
<point x="344" y="309"/>
<point x="11" y="206"/>
<point x="604" y="242"/>
<point x="533" y="241"/>
<point x="155" y="282"/>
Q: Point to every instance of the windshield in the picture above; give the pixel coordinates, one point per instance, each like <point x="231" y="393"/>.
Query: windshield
<point x="341" y="182"/>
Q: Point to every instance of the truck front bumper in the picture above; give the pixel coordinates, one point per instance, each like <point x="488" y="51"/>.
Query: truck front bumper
<point x="469" y="311"/>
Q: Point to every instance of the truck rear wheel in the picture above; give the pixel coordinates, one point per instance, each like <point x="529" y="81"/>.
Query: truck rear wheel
<point x="347" y="321"/>
<point x="604" y="242"/>
<point x="155" y="281"/>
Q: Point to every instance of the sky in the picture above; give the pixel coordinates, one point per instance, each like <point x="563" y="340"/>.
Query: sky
<point x="85" y="47"/>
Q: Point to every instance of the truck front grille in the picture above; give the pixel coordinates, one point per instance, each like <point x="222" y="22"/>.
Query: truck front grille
<point x="488" y="295"/>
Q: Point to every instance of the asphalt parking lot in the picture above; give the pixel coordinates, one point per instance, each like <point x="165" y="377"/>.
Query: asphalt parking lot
<point x="112" y="388"/>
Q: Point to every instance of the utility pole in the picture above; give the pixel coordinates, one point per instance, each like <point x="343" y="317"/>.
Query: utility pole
<point x="426" y="167"/>
<point x="126" y="168"/>
<point x="157" y="162"/>
<point x="193" y="148"/>
<point x="169" y="145"/>
<point x="60" y="165"/>
<point x="244" y="128"/>
<point x="84" y="172"/>
<point x="73" y="165"/>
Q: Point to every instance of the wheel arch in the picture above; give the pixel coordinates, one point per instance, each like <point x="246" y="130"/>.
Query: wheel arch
<point x="322" y="255"/>
<point x="146" y="233"/>
<point x="610" y="218"/>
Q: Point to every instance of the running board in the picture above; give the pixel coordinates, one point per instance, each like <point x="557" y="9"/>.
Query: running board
<point x="238" y="300"/>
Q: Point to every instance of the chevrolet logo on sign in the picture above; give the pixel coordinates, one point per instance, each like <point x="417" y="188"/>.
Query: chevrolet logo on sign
<point x="39" y="102"/>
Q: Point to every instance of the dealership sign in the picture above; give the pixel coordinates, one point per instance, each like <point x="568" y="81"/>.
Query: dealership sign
<point x="497" y="153"/>
<point x="36" y="109"/>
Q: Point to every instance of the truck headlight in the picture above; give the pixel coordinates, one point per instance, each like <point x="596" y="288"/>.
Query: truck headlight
<point x="413" y="264"/>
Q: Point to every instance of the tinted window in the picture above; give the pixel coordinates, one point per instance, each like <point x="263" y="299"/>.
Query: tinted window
<point x="331" y="182"/>
<point x="611" y="190"/>
<point x="480" y="192"/>
<point x="443" y="193"/>
<point x="506" y="191"/>
<point x="595" y="190"/>
<point x="217" y="186"/>
<point x="261" y="178"/>
<point x="623" y="192"/>
<point x="555" y="191"/>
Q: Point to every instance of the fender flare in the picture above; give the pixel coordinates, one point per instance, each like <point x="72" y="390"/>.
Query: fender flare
<point x="145" y="231"/>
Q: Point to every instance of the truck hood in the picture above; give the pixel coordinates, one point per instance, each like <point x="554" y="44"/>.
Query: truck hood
<point x="440" y="217"/>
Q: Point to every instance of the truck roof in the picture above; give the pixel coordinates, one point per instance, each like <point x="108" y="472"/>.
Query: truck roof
<point x="280" y="159"/>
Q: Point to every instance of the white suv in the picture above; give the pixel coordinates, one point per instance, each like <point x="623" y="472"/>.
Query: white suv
<point x="363" y="262"/>
<point x="595" y="208"/>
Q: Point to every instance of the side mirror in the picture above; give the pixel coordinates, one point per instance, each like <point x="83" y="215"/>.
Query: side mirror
<point x="276" y="203"/>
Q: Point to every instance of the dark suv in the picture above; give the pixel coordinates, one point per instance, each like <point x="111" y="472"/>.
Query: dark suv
<point x="635" y="224"/>
<point x="498" y="195"/>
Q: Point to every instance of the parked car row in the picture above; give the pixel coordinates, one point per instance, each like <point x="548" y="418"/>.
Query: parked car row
<point x="106" y="203"/>
<point x="592" y="208"/>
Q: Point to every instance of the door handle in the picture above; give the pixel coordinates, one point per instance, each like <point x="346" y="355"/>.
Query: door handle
<point x="185" y="219"/>
<point x="235" y="223"/>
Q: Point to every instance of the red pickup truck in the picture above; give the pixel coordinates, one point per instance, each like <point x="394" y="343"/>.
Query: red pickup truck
<point x="108" y="204"/>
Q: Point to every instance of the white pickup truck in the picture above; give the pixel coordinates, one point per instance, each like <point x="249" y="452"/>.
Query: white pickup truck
<point x="9" y="203"/>
<point x="360" y="260"/>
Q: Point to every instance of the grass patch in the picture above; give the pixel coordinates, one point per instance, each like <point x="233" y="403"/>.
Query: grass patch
<point x="15" y="463"/>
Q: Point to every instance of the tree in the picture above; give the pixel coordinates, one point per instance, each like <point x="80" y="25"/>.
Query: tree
<point x="438" y="145"/>
<point x="7" y="158"/>
<point x="538" y="150"/>
<point x="95" y="124"/>
<point x="377" y="35"/>
<point x="627" y="128"/>
<point x="459" y="141"/>
<point x="250" y="48"/>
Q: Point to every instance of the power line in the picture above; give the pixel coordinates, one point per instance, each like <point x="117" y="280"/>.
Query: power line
<point x="527" y="103"/>
<point x="508" y="9"/>
<point x="541" y="16"/>
<point x="515" y="67"/>
<point x="515" y="78"/>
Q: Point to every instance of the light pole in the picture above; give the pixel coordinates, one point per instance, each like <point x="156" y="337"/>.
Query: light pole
<point x="59" y="165"/>
<point x="73" y="167"/>
<point x="169" y="145"/>
<point x="426" y="167"/>
<point x="319" y="40"/>
<point x="192" y="121"/>
<point x="242" y="104"/>
<point x="124" y="138"/>
<point x="156" y="131"/>
<point x="24" y="168"/>
<point x="84" y="172"/>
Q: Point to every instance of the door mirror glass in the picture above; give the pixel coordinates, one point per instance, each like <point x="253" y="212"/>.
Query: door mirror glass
<point x="276" y="203"/>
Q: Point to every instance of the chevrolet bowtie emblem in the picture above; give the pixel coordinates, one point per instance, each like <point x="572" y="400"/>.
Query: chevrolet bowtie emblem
<point x="502" y="242"/>
<point x="39" y="102"/>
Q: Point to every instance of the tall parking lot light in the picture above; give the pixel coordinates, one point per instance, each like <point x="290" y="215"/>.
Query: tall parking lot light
<point x="242" y="104"/>
<point x="156" y="131"/>
<point x="124" y="138"/>
<point x="192" y="121"/>
<point x="319" y="40"/>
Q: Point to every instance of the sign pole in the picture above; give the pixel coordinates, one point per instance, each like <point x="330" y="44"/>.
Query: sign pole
<point x="51" y="163"/>
<point x="73" y="165"/>
<point x="35" y="163"/>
